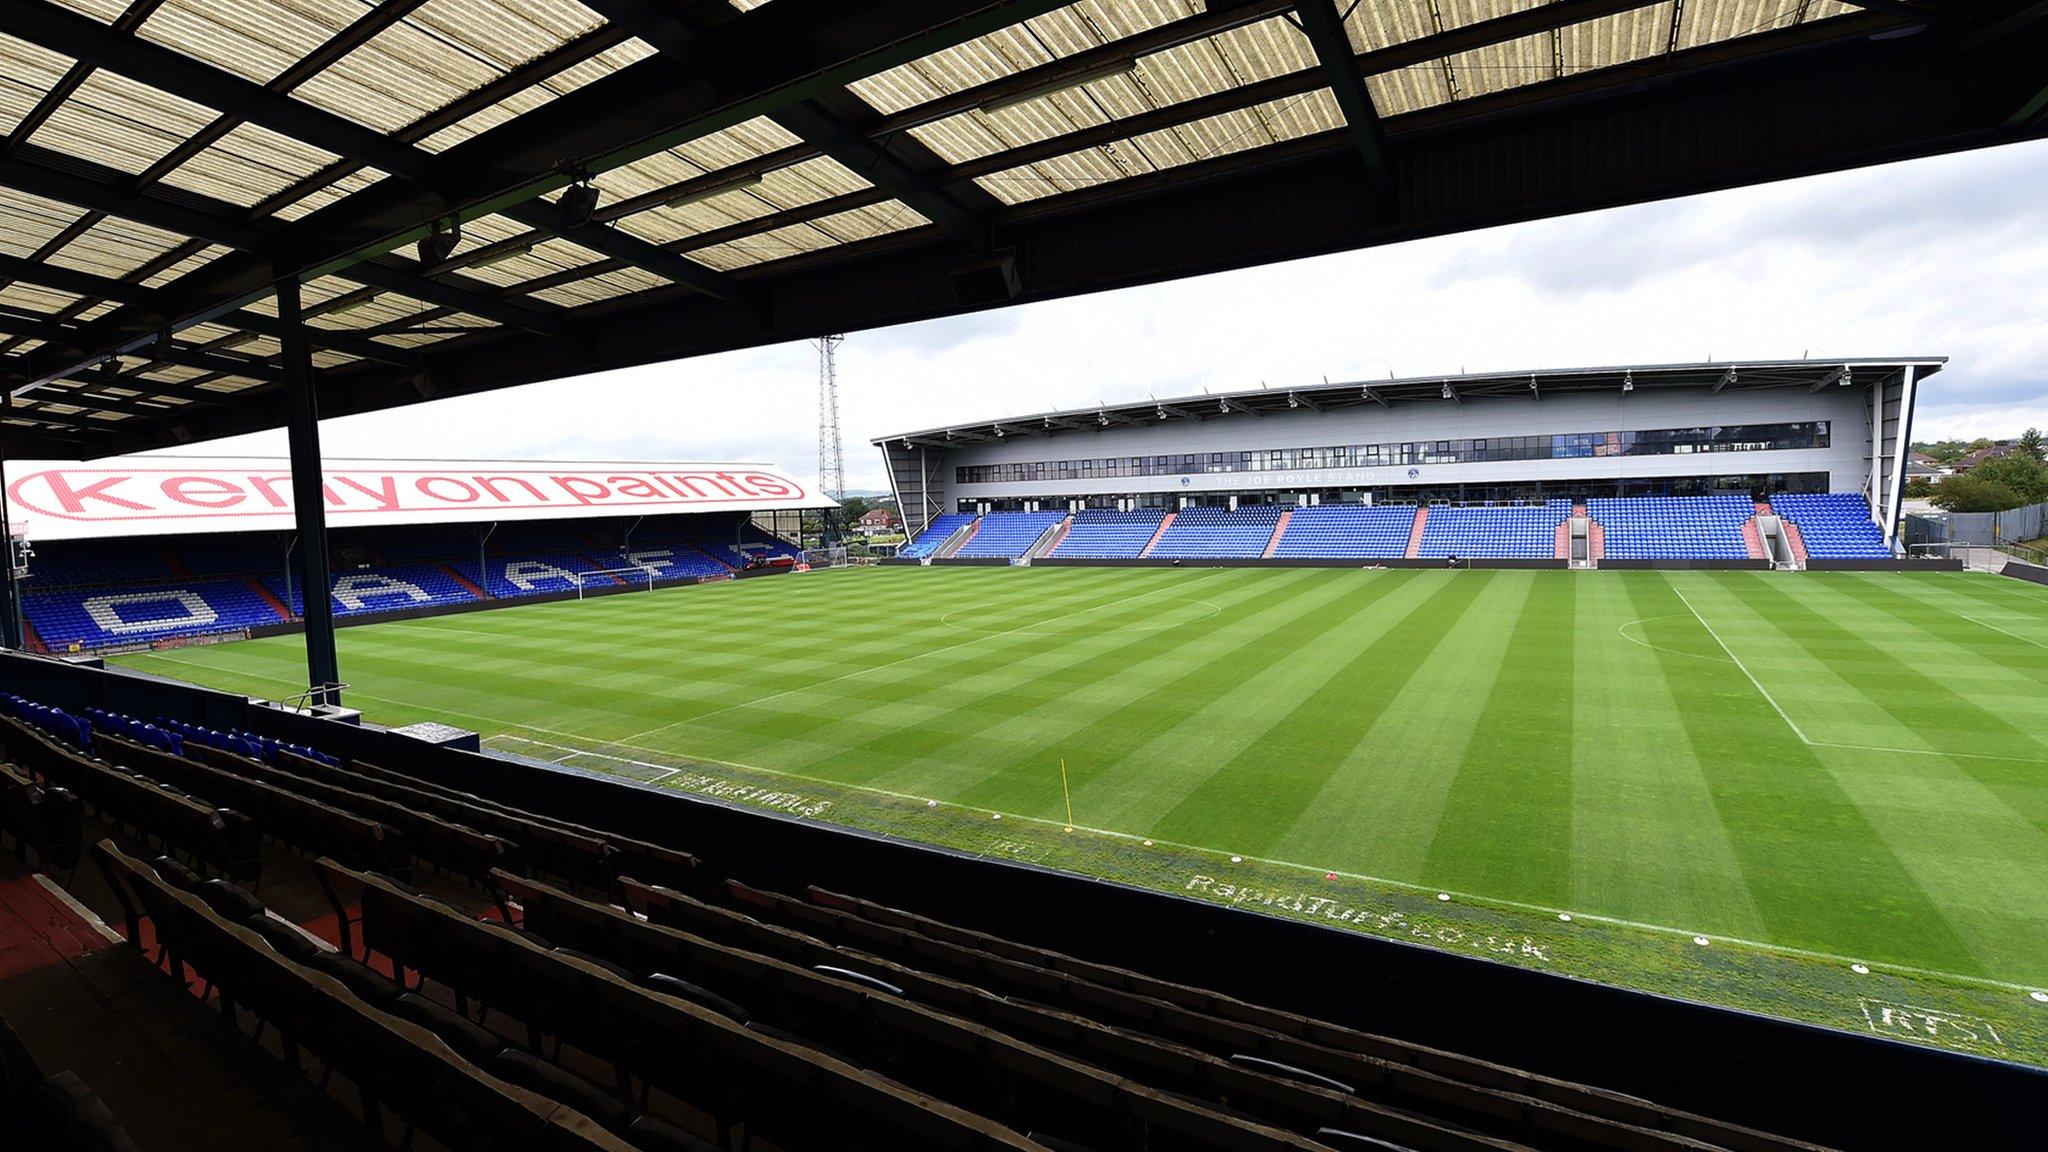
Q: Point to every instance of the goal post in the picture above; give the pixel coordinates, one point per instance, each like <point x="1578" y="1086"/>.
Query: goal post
<point x="639" y="576"/>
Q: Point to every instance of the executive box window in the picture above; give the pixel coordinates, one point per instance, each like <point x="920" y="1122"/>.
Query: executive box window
<point x="1557" y="446"/>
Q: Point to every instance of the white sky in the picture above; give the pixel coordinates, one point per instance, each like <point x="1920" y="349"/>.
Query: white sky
<point x="1936" y="257"/>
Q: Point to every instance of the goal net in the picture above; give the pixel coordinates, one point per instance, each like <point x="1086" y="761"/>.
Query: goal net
<point x="834" y="557"/>
<point x="640" y="577"/>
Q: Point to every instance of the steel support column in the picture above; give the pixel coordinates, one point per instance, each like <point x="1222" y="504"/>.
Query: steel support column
<point x="309" y="504"/>
<point x="10" y="592"/>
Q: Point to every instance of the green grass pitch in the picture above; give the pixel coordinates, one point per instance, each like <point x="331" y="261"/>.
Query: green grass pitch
<point x="1800" y="770"/>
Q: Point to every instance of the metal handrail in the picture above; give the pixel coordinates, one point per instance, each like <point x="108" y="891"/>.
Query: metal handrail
<point x="304" y="702"/>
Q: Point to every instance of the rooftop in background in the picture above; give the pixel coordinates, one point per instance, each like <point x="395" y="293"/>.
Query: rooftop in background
<point x="483" y="193"/>
<point x="170" y="495"/>
<point x="1737" y="375"/>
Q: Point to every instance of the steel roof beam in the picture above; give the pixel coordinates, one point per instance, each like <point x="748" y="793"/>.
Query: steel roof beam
<point x="1325" y="31"/>
<point x="761" y="61"/>
<point x="62" y="30"/>
<point x="685" y="42"/>
<point x="90" y="286"/>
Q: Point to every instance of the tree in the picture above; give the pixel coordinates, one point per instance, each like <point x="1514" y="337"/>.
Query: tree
<point x="1917" y="489"/>
<point x="2033" y="445"/>
<point x="2020" y="472"/>
<point x="1973" y="493"/>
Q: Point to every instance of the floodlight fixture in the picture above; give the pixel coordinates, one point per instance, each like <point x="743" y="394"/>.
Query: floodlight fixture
<point x="578" y="202"/>
<point x="440" y="242"/>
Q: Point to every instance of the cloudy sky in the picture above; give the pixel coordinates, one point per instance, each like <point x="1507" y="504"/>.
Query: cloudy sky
<point x="1937" y="257"/>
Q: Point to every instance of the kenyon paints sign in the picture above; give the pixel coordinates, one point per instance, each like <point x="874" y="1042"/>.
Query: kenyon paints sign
<point x="145" y="496"/>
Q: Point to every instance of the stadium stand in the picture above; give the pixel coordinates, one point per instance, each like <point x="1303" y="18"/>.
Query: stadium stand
<point x="97" y="616"/>
<point x="96" y="594"/>
<point x="1347" y="530"/>
<point x="1514" y="531"/>
<point x="1109" y="535"/>
<point x="1834" y="525"/>
<point x="939" y="531"/>
<point x="1673" y="527"/>
<point x="595" y="991"/>
<point x="1008" y="535"/>
<point x="1215" y="533"/>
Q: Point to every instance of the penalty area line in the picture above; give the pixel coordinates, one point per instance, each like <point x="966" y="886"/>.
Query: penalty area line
<point x="1810" y="741"/>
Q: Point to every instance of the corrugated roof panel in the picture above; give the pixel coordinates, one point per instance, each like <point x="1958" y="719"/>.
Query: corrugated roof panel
<point x="1239" y="131"/>
<point x="190" y="263"/>
<point x="662" y="225"/>
<point x="792" y="186"/>
<point x="249" y="165"/>
<point x="104" y="11"/>
<point x="1616" y="39"/>
<point x="1708" y="21"/>
<point x="796" y="239"/>
<point x="254" y="39"/>
<point x="27" y="73"/>
<point x="545" y="259"/>
<point x="1264" y="50"/>
<point x="95" y="312"/>
<point x="35" y="298"/>
<point x="1009" y="50"/>
<point x="114" y="247"/>
<point x="589" y="290"/>
<point x="403" y="74"/>
<point x="532" y="97"/>
<point x="115" y="121"/>
<point x="739" y="143"/>
<point x="27" y="222"/>
<point x="881" y="219"/>
<point x="320" y="198"/>
<point x="506" y="34"/>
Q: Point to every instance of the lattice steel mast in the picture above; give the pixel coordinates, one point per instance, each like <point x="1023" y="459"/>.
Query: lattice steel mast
<point x="831" y="462"/>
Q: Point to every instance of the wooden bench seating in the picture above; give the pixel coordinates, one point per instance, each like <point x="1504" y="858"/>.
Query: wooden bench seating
<point x="393" y="1062"/>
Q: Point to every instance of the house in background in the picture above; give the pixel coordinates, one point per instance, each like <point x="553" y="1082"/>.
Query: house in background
<point x="1994" y="452"/>
<point x="880" y="522"/>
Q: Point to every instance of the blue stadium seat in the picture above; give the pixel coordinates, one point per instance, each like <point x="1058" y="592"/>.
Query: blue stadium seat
<point x="1103" y="535"/>
<point x="939" y="531"/>
<point x="1833" y="525"/>
<point x="1008" y="534"/>
<point x="1673" y="527"/>
<point x="1517" y="531"/>
<point x="1219" y="533"/>
<point x="1348" y="530"/>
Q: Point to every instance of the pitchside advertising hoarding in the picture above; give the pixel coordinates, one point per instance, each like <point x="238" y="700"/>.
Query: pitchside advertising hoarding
<point x="166" y="495"/>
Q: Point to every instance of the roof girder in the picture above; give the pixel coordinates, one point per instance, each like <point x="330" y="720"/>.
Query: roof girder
<point x="779" y="54"/>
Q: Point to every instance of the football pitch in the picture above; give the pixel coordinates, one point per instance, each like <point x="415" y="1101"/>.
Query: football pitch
<point x="1823" y="795"/>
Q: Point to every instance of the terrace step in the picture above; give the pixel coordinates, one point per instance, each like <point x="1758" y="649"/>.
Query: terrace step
<point x="1753" y="539"/>
<point x="1415" y="533"/>
<point x="953" y="547"/>
<point x="1596" y="541"/>
<point x="283" y="610"/>
<point x="459" y="578"/>
<point x="1050" y="545"/>
<point x="1797" y="541"/>
<point x="1279" y="530"/>
<point x="1154" y="541"/>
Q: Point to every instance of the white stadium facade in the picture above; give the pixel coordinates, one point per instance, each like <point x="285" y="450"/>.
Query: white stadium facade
<point x="1759" y="427"/>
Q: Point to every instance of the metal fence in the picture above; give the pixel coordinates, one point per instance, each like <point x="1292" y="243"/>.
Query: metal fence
<point x="2010" y="526"/>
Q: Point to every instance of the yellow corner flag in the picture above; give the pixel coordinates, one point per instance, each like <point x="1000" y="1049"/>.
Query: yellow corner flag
<point x="1066" y="793"/>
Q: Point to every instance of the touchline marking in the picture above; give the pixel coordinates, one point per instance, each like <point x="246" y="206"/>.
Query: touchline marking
<point x="1318" y="870"/>
<point x="1639" y="925"/>
<point x="1811" y="742"/>
<point x="907" y="659"/>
